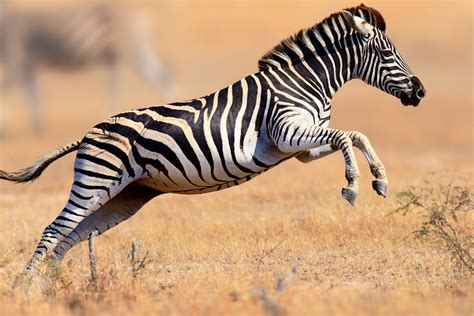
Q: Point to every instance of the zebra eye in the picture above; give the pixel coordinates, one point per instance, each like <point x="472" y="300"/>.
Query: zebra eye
<point x="387" y="53"/>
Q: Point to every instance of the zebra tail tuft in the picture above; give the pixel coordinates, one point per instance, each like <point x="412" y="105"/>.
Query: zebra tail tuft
<point x="32" y="172"/>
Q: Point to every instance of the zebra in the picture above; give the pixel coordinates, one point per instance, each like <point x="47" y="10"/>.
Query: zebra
<point x="71" y="38"/>
<point x="229" y="137"/>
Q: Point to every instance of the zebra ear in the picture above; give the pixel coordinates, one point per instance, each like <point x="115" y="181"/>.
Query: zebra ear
<point x="358" y="24"/>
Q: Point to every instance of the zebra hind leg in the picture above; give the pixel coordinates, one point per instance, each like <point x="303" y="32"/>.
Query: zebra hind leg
<point x="84" y="199"/>
<point x="68" y="219"/>
<point x="66" y="222"/>
<point x="120" y="208"/>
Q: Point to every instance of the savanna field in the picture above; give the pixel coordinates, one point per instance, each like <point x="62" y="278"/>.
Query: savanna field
<point x="285" y="242"/>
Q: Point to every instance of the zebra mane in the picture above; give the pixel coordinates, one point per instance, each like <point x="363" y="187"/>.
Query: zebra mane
<point x="291" y="46"/>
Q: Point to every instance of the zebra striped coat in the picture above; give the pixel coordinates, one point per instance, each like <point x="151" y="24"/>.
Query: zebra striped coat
<point x="232" y="135"/>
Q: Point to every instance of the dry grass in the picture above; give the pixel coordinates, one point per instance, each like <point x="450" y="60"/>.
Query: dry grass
<point x="208" y="254"/>
<point x="205" y="254"/>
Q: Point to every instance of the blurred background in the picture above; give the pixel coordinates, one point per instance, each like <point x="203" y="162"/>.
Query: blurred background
<point x="203" y="46"/>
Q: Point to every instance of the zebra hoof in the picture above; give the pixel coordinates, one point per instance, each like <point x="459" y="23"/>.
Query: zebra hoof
<point x="349" y="195"/>
<point x="380" y="187"/>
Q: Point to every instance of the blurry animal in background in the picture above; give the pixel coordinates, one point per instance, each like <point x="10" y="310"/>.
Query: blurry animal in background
<point x="233" y="135"/>
<point x="71" y="38"/>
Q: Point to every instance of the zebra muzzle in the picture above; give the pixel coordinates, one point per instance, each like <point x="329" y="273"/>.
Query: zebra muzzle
<point x="418" y="92"/>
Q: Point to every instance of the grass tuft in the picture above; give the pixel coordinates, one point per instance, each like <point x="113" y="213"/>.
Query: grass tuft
<point x="442" y="209"/>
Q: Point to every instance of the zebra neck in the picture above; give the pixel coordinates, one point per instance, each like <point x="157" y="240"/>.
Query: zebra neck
<point x="326" y="58"/>
<point x="331" y="65"/>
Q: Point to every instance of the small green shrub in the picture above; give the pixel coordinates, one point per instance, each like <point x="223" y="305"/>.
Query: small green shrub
<point x="441" y="208"/>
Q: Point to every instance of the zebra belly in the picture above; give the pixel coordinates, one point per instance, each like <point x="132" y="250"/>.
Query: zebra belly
<point x="179" y="162"/>
<point x="162" y="185"/>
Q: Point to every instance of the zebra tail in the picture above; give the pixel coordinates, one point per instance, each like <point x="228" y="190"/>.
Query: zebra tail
<point x="32" y="172"/>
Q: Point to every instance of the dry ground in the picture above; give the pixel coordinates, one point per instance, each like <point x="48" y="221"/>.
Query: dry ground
<point x="209" y="253"/>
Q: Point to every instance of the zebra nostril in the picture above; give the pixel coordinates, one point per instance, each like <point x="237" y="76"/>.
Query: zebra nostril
<point x="418" y="87"/>
<point x="420" y="93"/>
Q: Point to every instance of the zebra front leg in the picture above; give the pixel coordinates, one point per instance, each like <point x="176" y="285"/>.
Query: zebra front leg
<point x="350" y="192"/>
<point x="296" y="134"/>
<point x="360" y="141"/>
<point x="316" y="153"/>
<point x="377" y="168"/>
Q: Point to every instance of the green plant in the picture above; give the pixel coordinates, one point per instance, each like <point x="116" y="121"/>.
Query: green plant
<point x="441" y="209"/>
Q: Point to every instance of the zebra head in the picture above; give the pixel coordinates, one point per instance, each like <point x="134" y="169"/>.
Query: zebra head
<point x="381" y="65"/>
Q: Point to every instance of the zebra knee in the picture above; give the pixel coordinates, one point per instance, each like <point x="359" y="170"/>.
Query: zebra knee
<point x="359" y="139"/>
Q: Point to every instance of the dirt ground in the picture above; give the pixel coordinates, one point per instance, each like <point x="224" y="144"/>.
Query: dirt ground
<point x="210" y="254"/>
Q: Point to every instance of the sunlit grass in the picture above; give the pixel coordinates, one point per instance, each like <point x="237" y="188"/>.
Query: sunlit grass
<point x="208" y="254"/>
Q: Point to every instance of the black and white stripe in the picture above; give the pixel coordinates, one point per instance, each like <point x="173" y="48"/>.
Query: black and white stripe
<point x="229" y="137"/>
